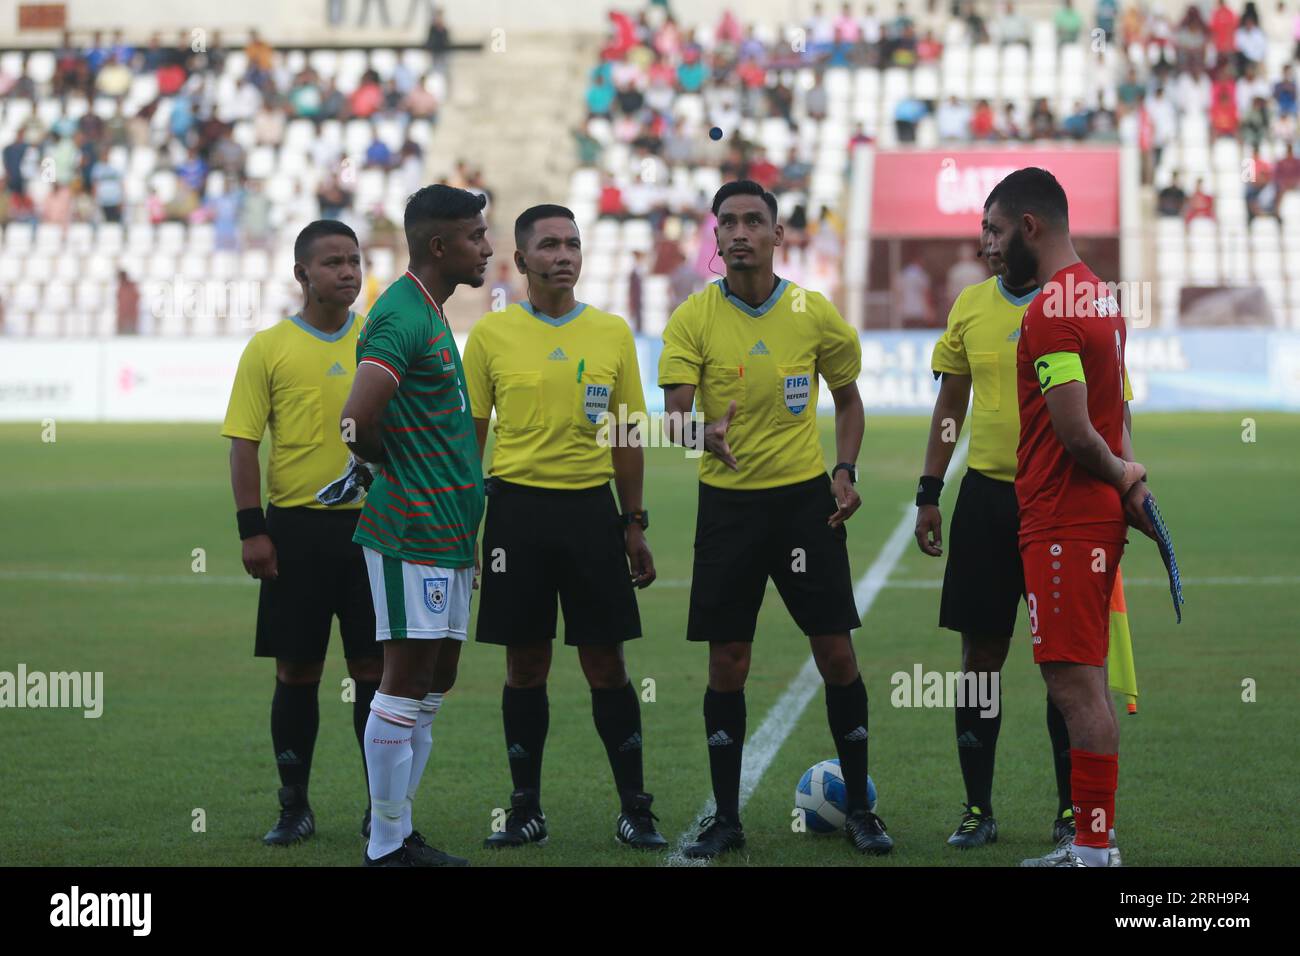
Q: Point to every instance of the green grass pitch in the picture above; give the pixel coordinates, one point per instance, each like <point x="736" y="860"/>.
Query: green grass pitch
<point x="99" y="529"/>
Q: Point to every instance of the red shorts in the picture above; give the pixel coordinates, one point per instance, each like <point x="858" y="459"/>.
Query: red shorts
<point x="1067" y="588"/>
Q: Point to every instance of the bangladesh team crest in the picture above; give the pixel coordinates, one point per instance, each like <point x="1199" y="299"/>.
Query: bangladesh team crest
<point x="596" y="402"/>
<point x="435" y="594"/>
<point x="797" y="390"/>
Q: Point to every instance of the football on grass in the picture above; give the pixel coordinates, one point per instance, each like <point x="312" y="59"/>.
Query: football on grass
<point x="821" y="796"/>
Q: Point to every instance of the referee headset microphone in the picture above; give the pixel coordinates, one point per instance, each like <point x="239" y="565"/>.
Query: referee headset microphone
<point x="523" y="233"/>
<point x="740" y="187"/>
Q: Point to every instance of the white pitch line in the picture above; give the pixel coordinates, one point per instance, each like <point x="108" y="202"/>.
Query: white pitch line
<point x="762" y="745"/>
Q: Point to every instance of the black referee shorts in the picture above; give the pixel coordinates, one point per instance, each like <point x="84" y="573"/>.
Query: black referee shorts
<point x="744" y="537"/>
<point x="322" y="573"/>
<point x="984" y="580"/>
<point x="540" y="543"/>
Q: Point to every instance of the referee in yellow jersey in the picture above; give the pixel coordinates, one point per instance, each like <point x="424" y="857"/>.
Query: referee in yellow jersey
<point x="555" y="370"/>
<point x="748" y="351"/>
<point x="983" y="581"/>
<point x="294" y="378"/>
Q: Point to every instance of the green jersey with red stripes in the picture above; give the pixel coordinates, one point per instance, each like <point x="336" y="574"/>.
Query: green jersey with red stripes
<point x="425" y="504"/>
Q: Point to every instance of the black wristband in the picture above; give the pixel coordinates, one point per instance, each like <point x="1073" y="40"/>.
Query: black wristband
<point x="927" y="492"/>
<point x="251" y="522"/>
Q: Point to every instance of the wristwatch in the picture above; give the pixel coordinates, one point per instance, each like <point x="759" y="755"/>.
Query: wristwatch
<point x="850" y="468"/>
<point x="641" y="517"/>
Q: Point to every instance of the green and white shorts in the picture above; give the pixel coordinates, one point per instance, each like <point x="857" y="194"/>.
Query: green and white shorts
<point x="419" y="601"/>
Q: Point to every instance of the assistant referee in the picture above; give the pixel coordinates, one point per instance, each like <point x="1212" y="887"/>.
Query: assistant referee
<point x="556" y="370"/>
<point x="752" y="346"/>
<point x="294" y="378"/>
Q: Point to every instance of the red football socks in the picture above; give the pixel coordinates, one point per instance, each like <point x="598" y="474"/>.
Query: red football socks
<point x="1093" y="780"/>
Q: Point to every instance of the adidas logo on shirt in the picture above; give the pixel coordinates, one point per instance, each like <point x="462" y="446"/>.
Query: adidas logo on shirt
<point x="558" y="355"/>
<point x="337" y="369"/>
<point x="759" y="349"/>
<point x="856" y="734"/>
<point x="969" y="739"/>
<point x="720" y="739"/>
<point x="1014" y="336"/>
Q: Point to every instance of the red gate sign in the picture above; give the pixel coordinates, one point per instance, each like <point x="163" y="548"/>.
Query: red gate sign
<point x="42" y="16"/>
<point x="923" y="193"/>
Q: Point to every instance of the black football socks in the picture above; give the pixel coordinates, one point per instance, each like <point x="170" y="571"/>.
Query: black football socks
<point x="617" y="715"/>
<point x="846" y="712"/>
<point x="1060" y="735"/>
<point x="526" y="714"/>
<point x="295" y="718"/>
<point x="724" y="723"/>
<point x="977" y="745"/>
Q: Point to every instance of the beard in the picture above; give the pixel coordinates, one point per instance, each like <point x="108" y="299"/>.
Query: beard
<point x="1021" y="263"/>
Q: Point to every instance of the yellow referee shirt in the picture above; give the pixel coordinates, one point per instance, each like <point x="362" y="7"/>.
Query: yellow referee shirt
<point x="767" y="361"/>
<point x="980" y="341"/>
<point x="550" y="380"/>
<point x="295" y="379"/>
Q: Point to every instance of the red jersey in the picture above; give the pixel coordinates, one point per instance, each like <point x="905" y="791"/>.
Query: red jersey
<point x="1059" y="498"/>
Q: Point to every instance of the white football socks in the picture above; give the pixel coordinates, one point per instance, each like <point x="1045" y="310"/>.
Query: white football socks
<point x="421" y="745"/>
<point x="389" y="731"/>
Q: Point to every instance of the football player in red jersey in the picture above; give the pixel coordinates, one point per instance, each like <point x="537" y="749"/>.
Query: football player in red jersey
<point x="1076" y="482"/>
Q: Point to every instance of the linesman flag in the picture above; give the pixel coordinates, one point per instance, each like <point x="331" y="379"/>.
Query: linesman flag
<point x="1123" y="677"/>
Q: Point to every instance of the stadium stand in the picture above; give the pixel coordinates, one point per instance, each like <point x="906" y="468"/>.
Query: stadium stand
<point x="138" y="156"/>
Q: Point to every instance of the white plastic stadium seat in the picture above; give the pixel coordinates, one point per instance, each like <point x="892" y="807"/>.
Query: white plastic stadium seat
<point x="90" y="296"/>
<point x="100" y="266"/>
<point x="40" y="66"/>
<point x="38" y="268"/>
<point x="46" y="324"/>
<point x="17" y="324"/>
<point x="81" y="238"/>
<point x="18" y="237"/>
<point x="49" y="239"/>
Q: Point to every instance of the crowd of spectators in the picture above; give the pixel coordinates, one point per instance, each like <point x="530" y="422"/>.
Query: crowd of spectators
<point x="1148" y="71"/>
<point x="75" y="169"/>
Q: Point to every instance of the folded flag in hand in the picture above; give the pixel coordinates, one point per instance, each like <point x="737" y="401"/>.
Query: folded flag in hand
<point x="352" y="486"/>
<point x="1166" y="544"/>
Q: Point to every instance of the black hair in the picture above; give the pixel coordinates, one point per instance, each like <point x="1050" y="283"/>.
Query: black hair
<point x="532" y="215"/>
<point x="432" y="204"/>
<point x="744" y="187"/>
<point x="318" y="230"/>
<point x="1031" y="190"/>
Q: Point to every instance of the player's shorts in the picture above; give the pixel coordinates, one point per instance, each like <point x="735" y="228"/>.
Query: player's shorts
<point x="1069" y="585"/>
<point x="418" y="601"/>
<point x="541" y="543"/>
<point x="321" y="574"/>
<point x="744" y="537"/>
<point x="983" y="581"/>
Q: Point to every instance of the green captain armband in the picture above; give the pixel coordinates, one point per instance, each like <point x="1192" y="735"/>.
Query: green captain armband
<point x="1057" y="368"/>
